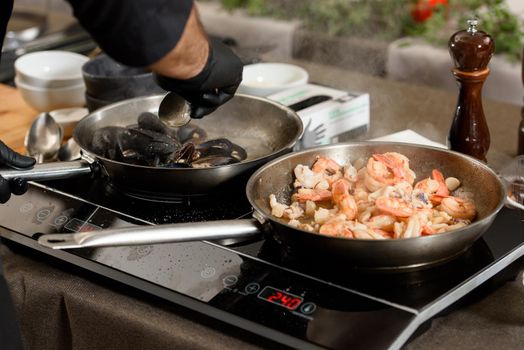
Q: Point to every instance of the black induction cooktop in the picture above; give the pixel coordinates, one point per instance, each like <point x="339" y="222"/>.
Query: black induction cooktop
<point x="256" y="285"/>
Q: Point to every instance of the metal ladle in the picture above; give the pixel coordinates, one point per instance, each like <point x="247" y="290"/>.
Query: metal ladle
<point x="70" y="150"/>
<point x="174" y="110"/>
<point x="43" y="138"/>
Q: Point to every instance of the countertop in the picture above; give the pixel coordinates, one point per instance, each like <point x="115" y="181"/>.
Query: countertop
<point x="62" y="307"/>
<point x="16" y="117"/>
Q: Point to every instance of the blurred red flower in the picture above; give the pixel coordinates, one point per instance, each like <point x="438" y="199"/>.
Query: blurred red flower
<point x="423" y="9"/>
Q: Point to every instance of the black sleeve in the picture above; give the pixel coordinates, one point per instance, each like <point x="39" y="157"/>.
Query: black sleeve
<point x="134" y="32"/>
<point x="6" y="7"/>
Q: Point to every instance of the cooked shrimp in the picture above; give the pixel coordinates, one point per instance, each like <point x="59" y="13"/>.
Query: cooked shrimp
<point x="425" y="217"/>
<point x="344" y="201"/>
<point x="404" y="189"/>
<point x="441" y="217"/>
<point x="382" y="222"/>
<point x="434" y="187"/>
<point x="452" y="227"/>
<point x="394" y="206"/>
<point x="427" y="185"/>
<point x="310" y="208"/>
<point x="321" y="215"/>
<point x="383" y="191"/>
<point x="428" y="229"/>
<point x="401" y="190"/>
<point x="350" y="173"/>
<point x="413" y="227"/>
<point x="280" y="210"/>
<point x="336" y="229"/>
<point x="376" y="175"/>
<point x="360" y="191"/>
<point x="328" y="167"/>
<point x="277" y="209"/>
<point x="393" y="162"/>
<point x="361" y="231"/>
<point x="442" y="190"/>
<point x="373" y="200"/>
<point x="305" y="177"/>
<point x="365" y="234"/>
<point x="382" y="233"/>
<point x="390" y="168"/>
<point x="459" y="208"/>
<point x="398" y="229"/>
<point x="294" y="211"/>
<point x="314" y="195"/>
<point x="420" y="199"/>
<point x="365" y="211"/>
<point x="302" y="226"/>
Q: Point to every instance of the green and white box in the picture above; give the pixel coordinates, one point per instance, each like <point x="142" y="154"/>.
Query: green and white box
<point x="329" y="115"/>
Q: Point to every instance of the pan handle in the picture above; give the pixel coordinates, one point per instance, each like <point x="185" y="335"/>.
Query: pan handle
<point x="50" y="171"/>
<point x="145" y="235"/>
<point x="512" y="203"/>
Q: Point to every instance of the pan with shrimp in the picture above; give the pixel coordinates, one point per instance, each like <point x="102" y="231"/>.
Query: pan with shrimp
<point x="379" y="205"/>
<point x="372" y="205"/>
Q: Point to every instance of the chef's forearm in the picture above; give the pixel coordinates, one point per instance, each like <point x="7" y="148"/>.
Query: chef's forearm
<point x="190" y="54"/>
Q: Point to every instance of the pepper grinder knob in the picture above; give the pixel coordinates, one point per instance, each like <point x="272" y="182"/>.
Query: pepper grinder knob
<point x="471" y="51"/>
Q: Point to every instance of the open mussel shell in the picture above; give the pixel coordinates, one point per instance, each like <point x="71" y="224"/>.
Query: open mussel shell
<point x="150" y="142"/>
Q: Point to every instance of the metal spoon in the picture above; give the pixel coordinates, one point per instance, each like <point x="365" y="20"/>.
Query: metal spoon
<point x="174" y="110"/>
<point x="69" y="151"/>
<point x="43" y="138"/>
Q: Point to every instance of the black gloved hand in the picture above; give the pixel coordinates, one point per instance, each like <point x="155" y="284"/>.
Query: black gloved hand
<point x="14" y="160"/>
<point x="213" y="86"/>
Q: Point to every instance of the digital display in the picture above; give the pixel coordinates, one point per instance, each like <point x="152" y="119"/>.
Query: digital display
<point x="276" y="296"/>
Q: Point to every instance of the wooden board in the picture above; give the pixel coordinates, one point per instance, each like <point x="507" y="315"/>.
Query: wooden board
<point x="15" y="117"/>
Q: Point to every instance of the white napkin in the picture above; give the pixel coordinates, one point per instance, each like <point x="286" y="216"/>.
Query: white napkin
<point x="409" y="136"/>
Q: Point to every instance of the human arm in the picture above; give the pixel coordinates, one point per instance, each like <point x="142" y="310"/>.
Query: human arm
<point x="205" y="72"/>
<point x="166" y="36"/>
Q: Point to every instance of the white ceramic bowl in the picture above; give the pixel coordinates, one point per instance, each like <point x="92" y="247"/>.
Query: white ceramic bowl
<point x="263" y="79"/>
<point x="51" y="69"/>
<point x="48" y="99"/>
<point x="68" y="118"/>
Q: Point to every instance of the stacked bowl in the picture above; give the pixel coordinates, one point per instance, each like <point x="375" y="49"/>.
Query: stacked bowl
<point x="108" y="81"/>
<point x="267" y="78"/>
<point x="50" y="80"/>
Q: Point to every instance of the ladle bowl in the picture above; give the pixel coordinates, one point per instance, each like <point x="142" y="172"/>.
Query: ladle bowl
<point x="174" y="110"/>
<point x="44" y="137"/>
<point x="70" y="150"/>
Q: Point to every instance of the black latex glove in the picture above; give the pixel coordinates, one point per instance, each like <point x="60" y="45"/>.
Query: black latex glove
<point x="213" y="86"/>
<point x="14" y="160"/>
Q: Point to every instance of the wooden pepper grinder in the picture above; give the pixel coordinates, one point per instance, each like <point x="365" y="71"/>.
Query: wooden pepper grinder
<point x="471" y="51"/>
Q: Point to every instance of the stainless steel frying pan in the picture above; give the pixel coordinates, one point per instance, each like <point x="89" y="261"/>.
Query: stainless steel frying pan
<point x="262" y="127"/>
<point x="276" y="177"/>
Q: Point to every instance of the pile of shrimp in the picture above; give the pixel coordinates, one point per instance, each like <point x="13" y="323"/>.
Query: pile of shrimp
<point x="373" y="199"/>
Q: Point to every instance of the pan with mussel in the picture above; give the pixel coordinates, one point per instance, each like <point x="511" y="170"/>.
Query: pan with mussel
<point x="138" y="154"/>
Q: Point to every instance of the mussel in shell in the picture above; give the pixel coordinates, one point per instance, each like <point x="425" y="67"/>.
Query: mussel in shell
<point x="151" y="143"/>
